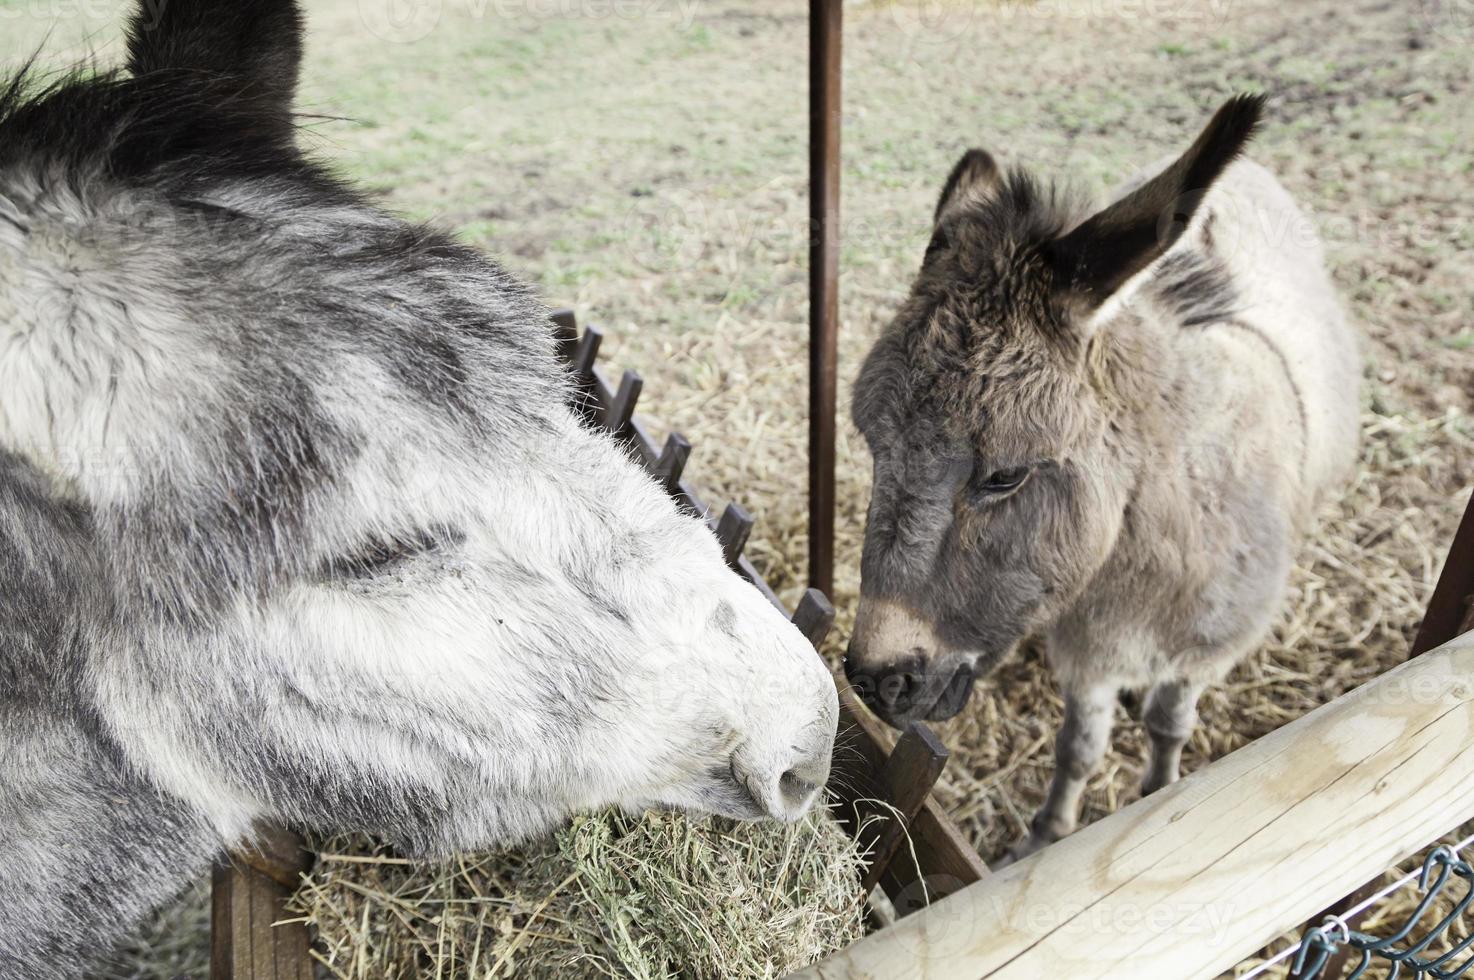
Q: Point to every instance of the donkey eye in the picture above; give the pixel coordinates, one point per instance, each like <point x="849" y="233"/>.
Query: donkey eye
<point x="1000" y="482"/>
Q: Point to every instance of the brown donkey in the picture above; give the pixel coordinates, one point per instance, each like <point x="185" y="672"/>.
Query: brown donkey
<point x="1106" y="429"/>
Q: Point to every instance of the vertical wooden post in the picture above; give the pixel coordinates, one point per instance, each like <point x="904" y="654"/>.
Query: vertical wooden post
<point x="250" y="890"/>
<point x="824" y="116"/>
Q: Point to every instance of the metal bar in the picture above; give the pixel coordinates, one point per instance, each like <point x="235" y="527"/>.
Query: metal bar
<point x="1450" y="604"/>
<point x="825" y="21"/>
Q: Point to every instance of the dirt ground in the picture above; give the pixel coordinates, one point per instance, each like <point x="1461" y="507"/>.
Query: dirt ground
<point x="645" y="162"/>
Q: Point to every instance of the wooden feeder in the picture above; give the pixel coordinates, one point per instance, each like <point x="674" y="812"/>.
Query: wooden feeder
<point x="882" y="793"/>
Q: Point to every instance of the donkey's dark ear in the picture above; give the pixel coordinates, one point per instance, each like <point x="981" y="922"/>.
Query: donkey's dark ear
<point x="1098" y="257"/>
<point x="975" y="175"/>
<point x="258" y="42"/>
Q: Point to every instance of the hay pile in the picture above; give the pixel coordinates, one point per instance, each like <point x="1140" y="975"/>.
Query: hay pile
<point x="665" y="895"/>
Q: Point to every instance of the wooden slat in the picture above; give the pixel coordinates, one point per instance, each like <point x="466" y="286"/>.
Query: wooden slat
<point x="905" y="781"/>
<point x="565" y="332"/>
<point x="733" y="530"/>
<point x="945" y="862"/>
<point x="249" y="895"/>
<point x="622" y="406"/>
<point x="1451" y="601"/>
<point x="1188" y="881"/>
<point x="814" y="616"/>
<point x="586" y="352"/>
<point x="671" y="463"/>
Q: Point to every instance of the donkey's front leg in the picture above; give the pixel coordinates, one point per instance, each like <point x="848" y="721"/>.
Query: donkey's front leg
<point x="1170" y="715"/>
<point x="1078" y="749"/>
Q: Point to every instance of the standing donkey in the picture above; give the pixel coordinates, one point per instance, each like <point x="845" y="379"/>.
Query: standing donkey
<point x="1111" y="429"/>
<point x="297" y="525"/>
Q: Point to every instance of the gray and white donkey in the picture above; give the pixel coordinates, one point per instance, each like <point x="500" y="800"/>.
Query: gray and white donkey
<point x="1111" y="429"/>
<point x="297" y="525"/>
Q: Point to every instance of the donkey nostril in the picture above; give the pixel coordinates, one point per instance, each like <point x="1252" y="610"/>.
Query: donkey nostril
<point x="795" y="789"/>
<point x="860" y="680"/>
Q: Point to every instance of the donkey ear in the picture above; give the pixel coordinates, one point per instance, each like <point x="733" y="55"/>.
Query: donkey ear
<point x="1098" y="257"/>
<point x="975" y="176"/>
<point x="256" y="41"/>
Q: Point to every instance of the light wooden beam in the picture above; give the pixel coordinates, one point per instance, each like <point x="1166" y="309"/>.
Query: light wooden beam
<point x="1195" y="878"/>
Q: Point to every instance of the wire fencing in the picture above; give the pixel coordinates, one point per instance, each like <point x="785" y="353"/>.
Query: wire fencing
<point x="1406" y="952"/>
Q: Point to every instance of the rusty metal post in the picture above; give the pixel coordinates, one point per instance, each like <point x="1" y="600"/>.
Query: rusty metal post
<point x="1449" y="607"/>
<point x="824" y="117"/>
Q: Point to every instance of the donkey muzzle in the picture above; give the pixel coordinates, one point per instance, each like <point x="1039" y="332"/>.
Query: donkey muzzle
<point x="913" y="688"/>
<point x="901" y="669"/>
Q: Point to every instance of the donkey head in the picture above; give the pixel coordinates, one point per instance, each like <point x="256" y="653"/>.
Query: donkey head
<point x="991" y="410"/>
<point x="370" y="569"/>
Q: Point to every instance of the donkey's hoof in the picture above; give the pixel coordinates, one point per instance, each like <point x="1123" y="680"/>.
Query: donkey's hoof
<point x="1154" y="781"/>
<point x="1024" y="848"/>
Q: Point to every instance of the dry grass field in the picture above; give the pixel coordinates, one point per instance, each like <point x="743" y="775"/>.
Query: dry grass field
<point x="645" y="162"/>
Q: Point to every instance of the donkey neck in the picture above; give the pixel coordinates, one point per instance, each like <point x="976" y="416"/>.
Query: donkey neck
<point x="91" y="848"/>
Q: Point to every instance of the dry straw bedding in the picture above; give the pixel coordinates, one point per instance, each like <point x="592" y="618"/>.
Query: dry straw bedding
<point x="607" y="896"/>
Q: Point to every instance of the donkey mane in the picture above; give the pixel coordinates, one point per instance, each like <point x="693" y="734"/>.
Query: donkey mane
<point x="207" y="159"/>
<point x="1195" y="286"/>
<point x="1009" y="222"/>
<point x="1011" y="226"/>
<point x="136" y="128"/>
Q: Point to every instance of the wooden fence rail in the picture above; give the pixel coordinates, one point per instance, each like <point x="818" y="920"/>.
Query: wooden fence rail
<point x="1191" y="880"/>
